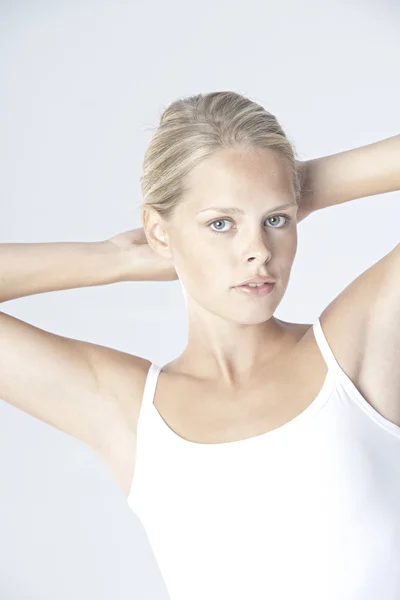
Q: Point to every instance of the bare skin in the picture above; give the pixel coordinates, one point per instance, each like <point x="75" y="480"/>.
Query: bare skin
<point x="231" y="336"/>
<point x="243" y="372"/>
<point x="204" y="411"/>
<point x="215" y="414"/>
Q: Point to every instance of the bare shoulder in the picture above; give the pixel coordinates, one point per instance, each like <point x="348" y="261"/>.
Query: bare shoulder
<point x="362" y="327"/>
<point x="122" y="377"/>
<point x="86" y="390"/>
<point x="342" y="338"/>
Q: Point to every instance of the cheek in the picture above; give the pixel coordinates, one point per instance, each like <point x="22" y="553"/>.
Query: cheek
<point x="202" y="256"/>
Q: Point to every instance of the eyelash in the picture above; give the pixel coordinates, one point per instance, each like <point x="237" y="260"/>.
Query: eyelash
<point x="287" y="217"/>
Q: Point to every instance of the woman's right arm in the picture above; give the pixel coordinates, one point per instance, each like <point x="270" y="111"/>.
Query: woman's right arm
<point x="86" y="390"/>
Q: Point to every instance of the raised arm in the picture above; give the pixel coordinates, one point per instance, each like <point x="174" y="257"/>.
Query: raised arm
<point x="86" y="390"/>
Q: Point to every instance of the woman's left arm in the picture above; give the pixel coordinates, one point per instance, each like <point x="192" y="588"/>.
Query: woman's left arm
<point x="357" y="173"/>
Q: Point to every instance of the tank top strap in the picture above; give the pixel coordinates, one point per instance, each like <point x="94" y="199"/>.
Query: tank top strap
<point x="324" y="347"/>
<point x="150" y="385"/>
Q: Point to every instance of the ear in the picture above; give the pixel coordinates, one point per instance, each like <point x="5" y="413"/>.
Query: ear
<point x="156" y="232"/>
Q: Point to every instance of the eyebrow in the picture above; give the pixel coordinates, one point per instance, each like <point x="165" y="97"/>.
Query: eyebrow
<point x="234" y="210"/>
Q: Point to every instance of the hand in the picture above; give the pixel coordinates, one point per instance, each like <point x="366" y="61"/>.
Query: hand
<point x="147" y="265"/>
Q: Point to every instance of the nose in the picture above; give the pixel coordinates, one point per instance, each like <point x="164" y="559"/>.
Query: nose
<point x="257" y="249"/>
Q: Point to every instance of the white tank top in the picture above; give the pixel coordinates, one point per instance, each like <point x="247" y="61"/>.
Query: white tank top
<point x="310" y="510"/>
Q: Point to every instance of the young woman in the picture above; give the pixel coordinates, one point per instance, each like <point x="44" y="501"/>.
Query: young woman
<point x="264" y="461"/>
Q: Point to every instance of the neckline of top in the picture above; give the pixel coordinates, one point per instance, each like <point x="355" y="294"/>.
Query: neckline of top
<point x="321" y="398"/>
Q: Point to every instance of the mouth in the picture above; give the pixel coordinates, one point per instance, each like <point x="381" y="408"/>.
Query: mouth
<point x="257" y="279"/>
<point x="255" y="290"/>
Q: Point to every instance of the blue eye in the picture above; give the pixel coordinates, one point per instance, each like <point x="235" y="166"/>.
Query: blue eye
<point x="287" y="217"/>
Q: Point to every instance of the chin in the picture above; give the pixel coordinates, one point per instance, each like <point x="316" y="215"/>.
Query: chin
<point x="253" y="318"/>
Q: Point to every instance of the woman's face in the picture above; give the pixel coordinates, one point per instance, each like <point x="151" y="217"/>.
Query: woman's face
<point x="215" y="249"/>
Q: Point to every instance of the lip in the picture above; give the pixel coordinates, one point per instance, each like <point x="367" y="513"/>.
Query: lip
<point x="257" y="279"/>
<point x="257" y="292"/>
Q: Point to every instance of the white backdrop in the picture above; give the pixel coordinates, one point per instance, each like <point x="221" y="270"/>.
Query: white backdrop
<point x="82" y="86"/>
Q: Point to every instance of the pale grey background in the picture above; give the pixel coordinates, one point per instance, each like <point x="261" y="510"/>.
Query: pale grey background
<point x="82" y="84"/>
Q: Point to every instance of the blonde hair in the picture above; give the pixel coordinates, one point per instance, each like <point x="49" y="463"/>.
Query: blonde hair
<point x="192" y="129"/>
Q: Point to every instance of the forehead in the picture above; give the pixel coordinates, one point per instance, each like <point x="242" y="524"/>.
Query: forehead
<point x="240" y="174"/>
